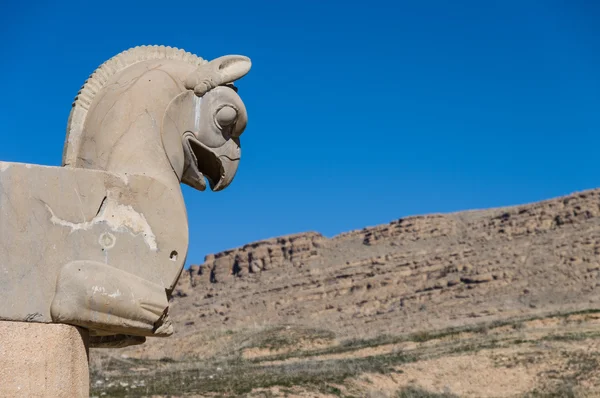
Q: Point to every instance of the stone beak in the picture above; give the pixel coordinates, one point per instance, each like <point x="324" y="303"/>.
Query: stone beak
<point x="218" y="165"/>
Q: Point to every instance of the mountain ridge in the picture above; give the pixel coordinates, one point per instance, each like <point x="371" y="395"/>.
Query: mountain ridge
<point x="419" y="215"/>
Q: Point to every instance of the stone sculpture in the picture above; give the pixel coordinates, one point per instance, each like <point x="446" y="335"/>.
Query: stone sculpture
<point x="100" y="242"/>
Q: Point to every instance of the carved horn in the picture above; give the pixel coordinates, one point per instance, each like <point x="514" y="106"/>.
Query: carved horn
<point x="217" y="72"/>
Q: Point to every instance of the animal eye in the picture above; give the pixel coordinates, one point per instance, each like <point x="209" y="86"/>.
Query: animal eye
<point x="226" y="116"/>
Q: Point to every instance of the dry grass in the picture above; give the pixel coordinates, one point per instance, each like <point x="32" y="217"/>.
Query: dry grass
<point x="331" y="370"/>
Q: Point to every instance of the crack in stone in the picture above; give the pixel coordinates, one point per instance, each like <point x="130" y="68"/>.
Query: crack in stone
<point x="116" y="216"/>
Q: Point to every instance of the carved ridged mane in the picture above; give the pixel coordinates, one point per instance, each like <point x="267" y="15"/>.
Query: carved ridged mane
<point x="98" y="79"/>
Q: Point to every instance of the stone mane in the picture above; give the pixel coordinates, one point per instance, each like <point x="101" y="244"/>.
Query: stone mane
<point x="98" y="79"/>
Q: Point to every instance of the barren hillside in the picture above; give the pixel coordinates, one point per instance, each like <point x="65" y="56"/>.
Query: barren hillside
<point x="304" y="315"/>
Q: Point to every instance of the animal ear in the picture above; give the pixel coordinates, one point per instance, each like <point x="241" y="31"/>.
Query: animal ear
<point x="233" y="67"/>
<point x="217" y="72"/>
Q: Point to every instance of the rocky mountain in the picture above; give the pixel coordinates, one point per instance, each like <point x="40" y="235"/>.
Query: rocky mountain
<point x="420" y="274"/>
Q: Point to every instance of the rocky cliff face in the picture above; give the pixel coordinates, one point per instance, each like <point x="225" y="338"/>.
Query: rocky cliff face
<point x="415" y="272"/>
<point x="253" y="258"/>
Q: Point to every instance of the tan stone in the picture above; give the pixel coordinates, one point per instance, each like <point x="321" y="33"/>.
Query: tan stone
<point x="101" y="241"/>
<point x="41" y="360"/>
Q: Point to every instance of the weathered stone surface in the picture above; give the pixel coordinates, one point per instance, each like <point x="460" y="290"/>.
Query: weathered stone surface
<point x="412" y="228"/>
<point x="40" y="360"/>
<point x="51" y="217"/>
<point x="101" y="241"/>
<point x="253" y="258"/>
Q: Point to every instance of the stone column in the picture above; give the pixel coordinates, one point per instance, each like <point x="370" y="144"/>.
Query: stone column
<point x="43" y="360"/>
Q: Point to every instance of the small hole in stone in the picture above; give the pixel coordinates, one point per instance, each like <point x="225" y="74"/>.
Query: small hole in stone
<point x="173" y="255"/>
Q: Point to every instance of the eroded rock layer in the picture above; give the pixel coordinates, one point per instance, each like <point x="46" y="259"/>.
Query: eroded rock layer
<point x="415" y="273"/>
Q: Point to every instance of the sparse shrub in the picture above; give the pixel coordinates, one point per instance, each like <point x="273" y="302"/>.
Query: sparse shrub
<point x="416" y="392"/>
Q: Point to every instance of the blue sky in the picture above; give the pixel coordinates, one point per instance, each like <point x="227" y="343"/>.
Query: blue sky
<point x="359" y="112"/>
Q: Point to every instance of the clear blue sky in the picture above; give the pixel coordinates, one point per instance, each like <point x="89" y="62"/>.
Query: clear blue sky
<point x="359" y="112"/>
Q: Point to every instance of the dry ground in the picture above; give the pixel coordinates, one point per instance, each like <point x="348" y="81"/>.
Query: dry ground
<point x="548" y="356"/>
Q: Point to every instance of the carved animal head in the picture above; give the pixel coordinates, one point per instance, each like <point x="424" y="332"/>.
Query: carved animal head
<point x="166" y="117"/>
<point x="208" y="119"/>
<point x="156" y="110"/>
